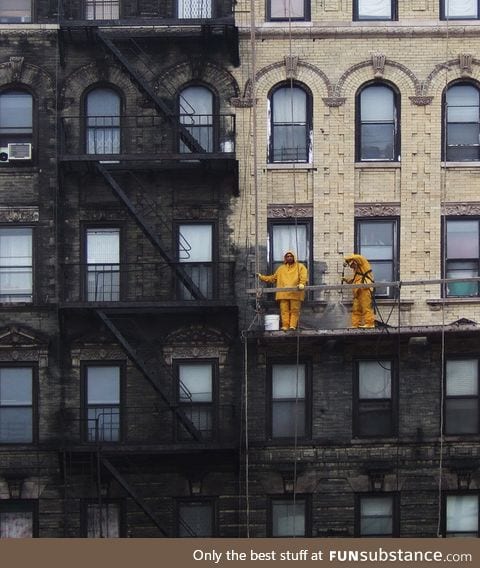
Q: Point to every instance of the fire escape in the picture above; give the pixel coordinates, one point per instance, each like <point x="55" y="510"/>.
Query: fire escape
<point x="135" y="291"/>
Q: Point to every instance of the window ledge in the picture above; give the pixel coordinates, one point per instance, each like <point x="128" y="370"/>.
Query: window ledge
<point x="361" y="165"/>
<point x="460" y="165"/>
<point x="286" y="23"/>
<point x="291" y="166"/>
<point x="453" y="300"/>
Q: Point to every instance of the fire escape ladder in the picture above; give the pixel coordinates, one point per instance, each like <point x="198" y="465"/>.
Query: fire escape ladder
<point x="133" y="494"/>
<point x="142" y="367"/>
<point x="185" y="136"/>
<point x="151" y="234"/>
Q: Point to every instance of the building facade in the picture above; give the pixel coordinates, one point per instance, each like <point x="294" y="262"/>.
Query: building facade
<point x="154" y="156"/>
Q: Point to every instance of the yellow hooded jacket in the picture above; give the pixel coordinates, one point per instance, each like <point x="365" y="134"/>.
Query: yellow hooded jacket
<point x="288" y="276"/>
<point x="363" y="273"/>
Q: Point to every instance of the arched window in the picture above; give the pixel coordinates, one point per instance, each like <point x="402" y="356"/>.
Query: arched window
<point x="196" y="114"/>
<point x="16" y="117"/>
<point x="290" y="112"/>
<point x="378" y="133"/>
<point x="103" y="121"/>
<point x="461" y="138"/>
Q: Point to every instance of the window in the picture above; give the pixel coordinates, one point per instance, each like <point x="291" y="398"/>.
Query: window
<point x="195" y="253"/>
<point x="290" y="112"/>
<point x="459" y="9"/>
<point x="196" y="114"/>
<point x="15" y="11"/>
<point x="462" y="256"/>
<point x="16" y="405"/>
<point x="194" y="9"/>
<point x="461" y="402"/>
<point x="373" y="411"/>
<point x="377" y="124"/>
<point x="103" y="521"/>
<point x="102" y="9"/>
<point x="195" y="519"/>
<point x="288" y="416"/>
<point x="196" y="396"/>
<point x="374" y="9"/>
<point x="103" y="122"/>
<point x="16" y="119"/>
<point x="461" y="515"/>
<point x="376" y="239"/>
<point x="102" y="385"/>
<point x="377" y="516"/>
<point x="103" y="264"/>
<point x="462" y="102"/>
<point x="16" y="275"/>
<point x="290" y="235"/>
<point x="288" y="517"/>
<point x="18" y="519"/>
<point x="290" y="10"/>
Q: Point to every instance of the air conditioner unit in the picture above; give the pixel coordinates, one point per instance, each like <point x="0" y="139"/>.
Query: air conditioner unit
<point x="19" y="151"/>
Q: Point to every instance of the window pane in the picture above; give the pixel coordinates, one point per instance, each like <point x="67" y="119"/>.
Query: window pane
<point x="195" y="520"/>
<point x="375" y="9"/>
<point x="16" y="425"/>
<point x="195" y="382"/>
<point x="195" y="243"/>
<point x="288" y="518"/>
<point x="376" y="240"/>
<point x="16" y="524"/>
<point x="102" y="9"/>
<point x="288" y="419"/>
<point x="376" y="516"/>
<point x="103" y="132"/>
<point x="462" y="513"/>
<point x="103" y="385"/>
<point x="15" y="11"/>
<point x="461" y="416"/>
<point x="194" y="9"/>
<point x="287" y="9"/>
<point x="290" y="105"/>
<point x="290" y="237"/>
<point x="377" y="104"/>
<point x="288" y="381"/>
<point x="375" y="418"/>
<point x="462" y="377"/>
<point x="15" y="114"/>
<point x="104" y="521"/>
<point x="377" y="142"/>
<point x="196" y="110"/>
<point x="104" y="423"/>
<point x="462" y="239"/>
<point x="103" y="246"/>
<point x="375" y="379"/>
<point x="461" y="8"/>
<point x="290" y="143"/>
<point x="15" y="386"/>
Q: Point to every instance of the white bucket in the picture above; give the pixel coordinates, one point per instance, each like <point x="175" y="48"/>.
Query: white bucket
<point x="272" y="322"/>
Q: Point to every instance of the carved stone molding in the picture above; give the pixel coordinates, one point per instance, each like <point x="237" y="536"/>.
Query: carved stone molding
<point x="242" y="102"/>
<point x="378" y="64"/>
<point x="421" y="100"/>
<point x="334" y="101"/>
<point x="377" y="209"/>
<point x="16" y="68"/>
<point x="19" y="215"/>
<point x="461" y="209"/>
<point x="196" y="342"/>
<point x="21" y="344"/>
<point x="291" y="66"/>
<point x="100" y="353"/>
<point x="465" y="61"/>
<point x="289" y="211"/>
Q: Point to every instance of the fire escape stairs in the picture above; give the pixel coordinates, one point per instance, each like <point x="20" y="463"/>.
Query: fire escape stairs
<point x="133" y="494"/>
<point x="149" y="375"/>
<point x="141" y="81"/>
<point x="150" y="233"/>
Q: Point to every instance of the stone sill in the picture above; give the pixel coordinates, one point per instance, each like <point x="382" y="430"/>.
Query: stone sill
<point x="460" y="165"/>
<point x="450" y="301"/>
<point x="301" y="166"/>
<point x="378" y="165"/>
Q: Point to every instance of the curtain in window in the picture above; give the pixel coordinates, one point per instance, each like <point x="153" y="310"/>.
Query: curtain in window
<point x="103" y="260"/>
<point x="375" y="379"/>
<point x="16" y="524"/>
<point x="288" y="518"/>
<point x="103" y="399"/>
<point x="104" y="521"/>
<point x="287" y="9"/>
<point x="377" y="116"/>
<point x="462" y="515"/>
<point x="194" y="9"/>
<point x="103" y="122"/>
<point x="102" y="9"/>
<point x="289" y="125"/>
<point x="376" y="516"/>
<point x="196" y="114"/>
<point x="289" y="237"/>
<point x="16" y="405"/>
<point x="461" y="8"/>
<point x="195" y="252"/>
<point x="195" y="520"/>
<point x="16" y="11"/>
<point x="16" y="265"/>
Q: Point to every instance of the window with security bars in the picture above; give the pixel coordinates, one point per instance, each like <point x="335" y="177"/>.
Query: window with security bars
<point x="374" y="9"/>
<point x="103" y="121"/>
<point x="461" y="515"/>
<point x="102" y="385"/>
<point x="459" y="9"/>
<point x="16" y="264"/>
<point x="462" y="123"/>
<point x="377" y="130"/>
<point x="196" y="397"/>
<point x="289" y="418"/>
<point x="103" y="520"/>
<point x="15" y="11"/>
<point x="462" y="256"/>
<point x="102" y="9"/>
<point x="18" y="519"/>
<point x="461" y="397"/>
<point x="290" y="124"/>
<point x="288" y="10"/>
<point x="16" y="405"/>
<point x="194" y="9"/>
<point x="373" y="391"/>
<point x="103" y="264"/>
<point x="376" y="516"/>
<point x="288" y="517"/>
<point x="377" y="240"/>
<point x="196" y="519"/>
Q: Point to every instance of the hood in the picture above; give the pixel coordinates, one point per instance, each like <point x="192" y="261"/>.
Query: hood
<point x="292" y="253"/>
<point x="363" y="264"/>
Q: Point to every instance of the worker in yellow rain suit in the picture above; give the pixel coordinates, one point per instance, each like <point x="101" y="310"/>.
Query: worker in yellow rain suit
<point x="362" y="309"/>
<point x="291" y="274"/>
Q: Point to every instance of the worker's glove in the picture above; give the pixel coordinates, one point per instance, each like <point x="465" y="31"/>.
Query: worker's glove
<point x="301" y="286"/>
<point x="346" y="280"/>
<point x="258" y="275"/>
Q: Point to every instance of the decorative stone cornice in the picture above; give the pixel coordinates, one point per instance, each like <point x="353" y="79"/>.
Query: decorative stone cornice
<point x="421" y="100"/>
<point x="196" y="342"/>
<point x="461" y="208"/>
<point x="378" y="64"/>
<point x="16" y="67"/>
<point x="291" y="66"/>
<point x="290" y="211"/>
<point x="97" y="353"/>
<point x="465" y="61"/>
<point x="242" y="102"/>
<point x="334" y="101"/>
<point x="19" y="215"/>
<point x="19" y="344"/>
<point x="377" y="209"/>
